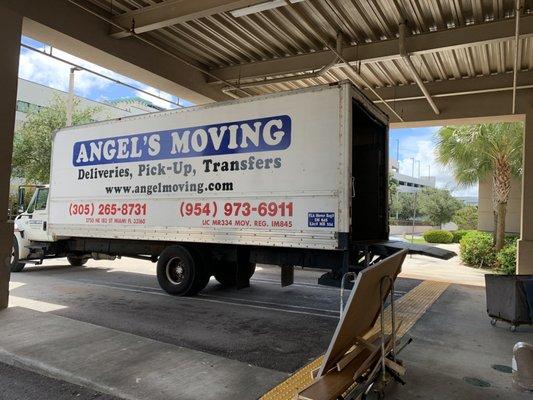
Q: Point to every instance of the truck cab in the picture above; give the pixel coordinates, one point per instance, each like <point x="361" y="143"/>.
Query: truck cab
<point x="32" y="241"/>
<point x="34" y="220"/>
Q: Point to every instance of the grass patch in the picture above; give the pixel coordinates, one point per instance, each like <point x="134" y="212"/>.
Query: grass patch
<point x="414" y="239"/>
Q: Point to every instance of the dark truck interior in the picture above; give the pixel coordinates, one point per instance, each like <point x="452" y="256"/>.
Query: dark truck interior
<point x="370" y="176"/>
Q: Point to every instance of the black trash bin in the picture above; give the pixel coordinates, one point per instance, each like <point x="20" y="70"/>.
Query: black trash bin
<point x="510" y="299"/>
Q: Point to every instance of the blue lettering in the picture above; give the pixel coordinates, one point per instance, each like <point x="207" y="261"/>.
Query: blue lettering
<point x="236" y="137"/>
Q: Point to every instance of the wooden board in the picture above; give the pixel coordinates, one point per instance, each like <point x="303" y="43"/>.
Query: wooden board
<point x="335" y="382"/>
<point x="362" y="308"/>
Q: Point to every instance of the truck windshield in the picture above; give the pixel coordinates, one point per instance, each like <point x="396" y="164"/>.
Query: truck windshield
<point x="38" y="201"/>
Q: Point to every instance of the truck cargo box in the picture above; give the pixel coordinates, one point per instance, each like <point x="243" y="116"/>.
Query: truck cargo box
<point x="301" y="169"/>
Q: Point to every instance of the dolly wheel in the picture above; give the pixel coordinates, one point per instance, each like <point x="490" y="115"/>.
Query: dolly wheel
<point x="513" y="328"/>
<point x="493" y="321"/>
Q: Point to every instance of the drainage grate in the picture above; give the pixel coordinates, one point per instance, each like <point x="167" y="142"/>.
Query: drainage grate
<point x="502" y="368"/>
<point x="476" y="382"/>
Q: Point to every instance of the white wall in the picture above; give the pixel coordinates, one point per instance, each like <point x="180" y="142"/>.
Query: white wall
<point x="485" y="215"/>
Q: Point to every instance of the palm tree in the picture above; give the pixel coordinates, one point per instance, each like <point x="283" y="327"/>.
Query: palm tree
<point x="476" y="152"/>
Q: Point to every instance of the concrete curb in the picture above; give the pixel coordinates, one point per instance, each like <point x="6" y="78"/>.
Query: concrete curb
<point x="52" y="372"/>
<point x="121" y="364"/>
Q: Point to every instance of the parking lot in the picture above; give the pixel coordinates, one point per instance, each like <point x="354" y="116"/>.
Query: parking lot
<point x="109" y="327"/>
<point x="264" y="325"/>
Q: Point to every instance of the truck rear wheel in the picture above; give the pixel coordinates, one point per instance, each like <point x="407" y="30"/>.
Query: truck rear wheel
<point x="226" y="272"/>
<point x="180" y="273"/>
<point x="76" y="261"/>
<point x="16" y="266"/>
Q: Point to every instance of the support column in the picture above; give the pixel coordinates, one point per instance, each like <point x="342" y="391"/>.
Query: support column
<point x="10" y="32"/>
<point x="525" y="244"/>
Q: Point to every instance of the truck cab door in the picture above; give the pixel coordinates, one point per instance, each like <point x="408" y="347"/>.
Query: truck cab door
<point x="35" y="220"/>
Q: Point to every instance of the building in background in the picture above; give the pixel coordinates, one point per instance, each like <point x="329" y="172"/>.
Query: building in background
<point x="135" y="105"/>
<point x="468" y="200"/>
<point x="34" y="96"/>
<point x="485" y="210"/>
<point x="406" y="183"/>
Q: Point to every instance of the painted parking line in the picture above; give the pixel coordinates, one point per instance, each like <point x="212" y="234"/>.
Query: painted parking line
<point x="286" y="308"/>
<point x="307" y="285"/>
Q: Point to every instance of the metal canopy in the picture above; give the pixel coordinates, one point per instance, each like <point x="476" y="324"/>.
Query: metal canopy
<point x="283" y="48"/>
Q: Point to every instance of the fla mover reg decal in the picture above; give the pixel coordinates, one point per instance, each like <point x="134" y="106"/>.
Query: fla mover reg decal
<point x="263" y="134"/>
<point x="321" y="220"/>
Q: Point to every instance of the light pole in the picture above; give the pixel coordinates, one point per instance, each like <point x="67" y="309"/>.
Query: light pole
<point x="397" y="187"/>
<point x="414" y="203"/>
<point x="70" y="99"/>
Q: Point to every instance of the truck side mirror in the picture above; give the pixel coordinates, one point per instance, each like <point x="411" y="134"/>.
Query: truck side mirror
<point x="21" y="195"/>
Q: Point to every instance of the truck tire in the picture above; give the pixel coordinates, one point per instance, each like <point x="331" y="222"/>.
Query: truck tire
<point x="180" y="273"/>
<point x="226" y="272"/>
<point x="16" y="266"/>
<point x="76" y="261"/>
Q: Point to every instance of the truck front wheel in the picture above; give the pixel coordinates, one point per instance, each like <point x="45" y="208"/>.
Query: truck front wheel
<point x="16" y="266"/>
<point x="180" y="273"/>
<point x="76" y="261"/>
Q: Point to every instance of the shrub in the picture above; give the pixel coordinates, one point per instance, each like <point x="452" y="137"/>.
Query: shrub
<point x="506" y="258"/>
<point x="477" y="250"/>
<point x="438" y="236"/>
<point x="510" y="239"/>
<point x="459" y="234"/>
<point x="466" y="218"/>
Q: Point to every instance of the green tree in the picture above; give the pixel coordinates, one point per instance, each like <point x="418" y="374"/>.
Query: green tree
<point x="466" y="217"/>
<point x="393" y="199"/>
<point x="404" y="203"/>
<point x="438" y="205"/>
<point x="477" y="152"/>
<point x="32" y="145"/>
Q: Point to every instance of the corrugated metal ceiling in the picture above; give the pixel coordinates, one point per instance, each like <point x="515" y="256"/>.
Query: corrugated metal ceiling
<point x="223" y="40"/>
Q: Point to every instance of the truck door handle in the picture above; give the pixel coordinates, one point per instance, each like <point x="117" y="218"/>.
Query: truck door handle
<point x="353" y="186"/>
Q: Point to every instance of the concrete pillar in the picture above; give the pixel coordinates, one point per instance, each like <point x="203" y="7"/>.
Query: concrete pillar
<point x="10" y="32"/>
<point x="525" y="244"/>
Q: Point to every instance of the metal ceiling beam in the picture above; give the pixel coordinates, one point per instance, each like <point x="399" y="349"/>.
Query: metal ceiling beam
<point x="172" y="12"/>
<point x="310" y="75"/>
<point x="459" y="110"/>
<point x="337" y="50"/>
<point x="67" y="27"/>
<point x="407" y="58"/>
<point x="458" y="87"/>
<point x="472" y="35"/>
<point x="516" y="50"/>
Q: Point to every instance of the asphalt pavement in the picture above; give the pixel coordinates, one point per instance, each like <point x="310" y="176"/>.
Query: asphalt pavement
<point x="265" y="325"/>
<point x="109" y="325"/>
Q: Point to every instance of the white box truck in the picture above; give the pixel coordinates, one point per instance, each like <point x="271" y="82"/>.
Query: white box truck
<point x="296" y="178"/>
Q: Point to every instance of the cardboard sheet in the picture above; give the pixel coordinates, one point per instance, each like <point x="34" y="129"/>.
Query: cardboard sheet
<point x="362" y="308"/>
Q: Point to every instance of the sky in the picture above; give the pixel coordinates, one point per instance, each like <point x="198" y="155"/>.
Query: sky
<point x="45" y="70"/>
<point x="419" y="143"/>
<point x="414" y="142"/>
